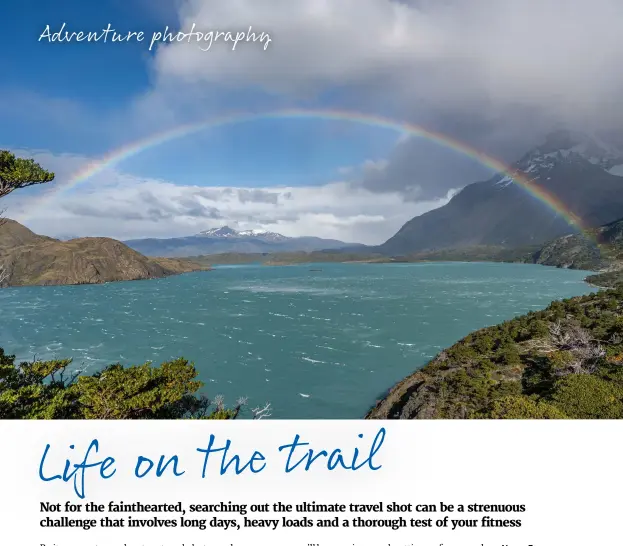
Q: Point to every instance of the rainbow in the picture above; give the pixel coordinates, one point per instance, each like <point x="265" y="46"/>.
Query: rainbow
<point x="129" y="150"/>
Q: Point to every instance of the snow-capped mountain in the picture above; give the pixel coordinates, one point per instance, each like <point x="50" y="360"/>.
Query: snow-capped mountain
<point x="226" y="240"/>
<point x="567" y="147"/>
<point x="226" y="232"/>
<point x="573" y="173"/>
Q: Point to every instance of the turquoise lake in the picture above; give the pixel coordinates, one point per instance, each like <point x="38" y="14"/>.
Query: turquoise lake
<point x="315" y="344"/>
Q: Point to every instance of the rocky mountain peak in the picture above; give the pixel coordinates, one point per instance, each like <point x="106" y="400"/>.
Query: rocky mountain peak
<point x="226" y="232"/>
<point x="583" y="171"/>
<point x="564" y="146"/>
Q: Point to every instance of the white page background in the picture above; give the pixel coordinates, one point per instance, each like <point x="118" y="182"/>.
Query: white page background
<point x="568" y="474"/>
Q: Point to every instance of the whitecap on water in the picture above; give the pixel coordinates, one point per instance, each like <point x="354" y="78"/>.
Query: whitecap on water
<point x="304" y="395"/>
<point x="313" y="361"/>
<point x="280" y="315"/>
<point x="269" y="289"/>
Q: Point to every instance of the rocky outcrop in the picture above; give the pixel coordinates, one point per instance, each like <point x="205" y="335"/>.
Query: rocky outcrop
<point x="30" y="259"/>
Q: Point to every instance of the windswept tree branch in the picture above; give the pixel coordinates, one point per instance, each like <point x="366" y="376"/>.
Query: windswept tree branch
<point x="16" y="173"/>
<point x="263" y="412"/>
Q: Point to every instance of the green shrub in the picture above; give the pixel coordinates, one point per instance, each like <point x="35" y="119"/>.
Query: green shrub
<point x="523" y="407"/>
<point x="527" y="367"/>
<point x="583" y="396"/>
<point x="508" y="355"/>
<point x="48" y="390"/>
<point x="538" y="328"/>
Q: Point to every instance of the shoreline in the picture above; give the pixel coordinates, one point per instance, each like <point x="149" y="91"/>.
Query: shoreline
<point x="175" y="274"/>
<point x="18" y="286"/>
<point x="211" y="267"/>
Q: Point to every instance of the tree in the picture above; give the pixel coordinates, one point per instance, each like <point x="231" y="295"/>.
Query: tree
<point x="16" y="173"/>
<point x="49" y="390"/>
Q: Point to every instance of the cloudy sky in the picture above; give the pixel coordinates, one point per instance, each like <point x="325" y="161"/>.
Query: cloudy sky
<point x="496" y="74"/>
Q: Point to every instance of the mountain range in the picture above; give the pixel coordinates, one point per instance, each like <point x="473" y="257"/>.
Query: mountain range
<point x="582" y="174"/>
<point x="226" y="240"/>
<point x="581" y="171"/>
<point x="494" y="219"/>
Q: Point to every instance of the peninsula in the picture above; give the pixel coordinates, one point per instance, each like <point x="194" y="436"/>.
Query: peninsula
<point x="30" y="259"/>
<point x="563" y="362"/>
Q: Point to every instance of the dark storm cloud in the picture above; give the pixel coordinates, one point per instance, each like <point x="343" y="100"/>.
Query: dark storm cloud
<point x="422" y="171"/>
<point x="497" y="75"/>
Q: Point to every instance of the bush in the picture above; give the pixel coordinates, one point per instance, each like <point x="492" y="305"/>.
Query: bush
<point x="509" y="355"/>
<point x="522" y="407"/>
<point x="585" y="396"/>
<point x="563" y="362"/>
<point x="538" y="328"/>
<point x="48" y="390"/>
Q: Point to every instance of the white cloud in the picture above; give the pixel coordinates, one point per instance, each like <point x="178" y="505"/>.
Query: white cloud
<point x="122" y="206"/>
<point x="486" y="72"/>
<point x="561" y="54"/>
<point x="313" y="42"/>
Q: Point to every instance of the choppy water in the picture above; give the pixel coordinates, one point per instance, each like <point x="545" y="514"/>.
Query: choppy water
<point x="322" y="344"/>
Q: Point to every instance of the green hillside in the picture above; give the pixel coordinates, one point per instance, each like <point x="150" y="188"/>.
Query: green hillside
<point x="563" y="362"/>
